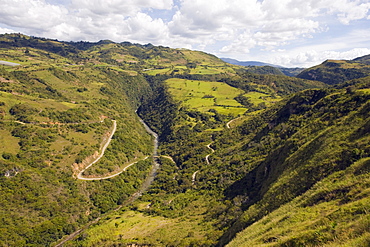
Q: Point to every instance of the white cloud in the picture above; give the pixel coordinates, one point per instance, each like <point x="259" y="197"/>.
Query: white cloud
<point x="6" y="30"/>
<point x="313" y="57"/>
<point x="34" y="15"/>
<point x="347" y="10"/>
<point x="125" y="8"/>
<point x="143" y="27"/>
<point x="242" y="26"/>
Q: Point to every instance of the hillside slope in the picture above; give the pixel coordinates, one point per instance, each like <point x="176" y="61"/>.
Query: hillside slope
<point x="55" y="116"/>
<point x="309" y="156"/>
<point x="264" y="68"/>
<point x="337" y="71"/>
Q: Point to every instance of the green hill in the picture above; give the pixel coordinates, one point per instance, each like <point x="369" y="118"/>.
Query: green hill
<point x="237" y="150"/>
<point x="337" y="71"/>
<point x="56" y="113"/>
<point x="307" y="168"/>
<point x="363" y="59"/>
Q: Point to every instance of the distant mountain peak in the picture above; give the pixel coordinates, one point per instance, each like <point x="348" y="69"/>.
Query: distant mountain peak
<point x="286" y="71"/>
<point x="248" y="63"/>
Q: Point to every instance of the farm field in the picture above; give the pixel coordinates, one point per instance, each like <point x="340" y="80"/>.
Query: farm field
<point x="258" y="98"/>
<point x="205" y="95"/>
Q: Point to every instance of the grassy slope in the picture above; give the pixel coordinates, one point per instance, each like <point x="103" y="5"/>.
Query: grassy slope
<point x="136" y="226"/>
<point x="334" y="212"/>
<point x="328" y="144"/>
<point x="203" y="95"/>
<point x="336" y="71"/>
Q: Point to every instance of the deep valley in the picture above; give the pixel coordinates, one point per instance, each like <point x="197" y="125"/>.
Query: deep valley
<point x="121" y="144"/>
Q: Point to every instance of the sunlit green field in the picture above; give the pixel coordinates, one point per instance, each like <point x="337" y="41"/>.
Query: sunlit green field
<point x="366" y="90"/>
<point x="205" y="95"/>
<point x="156" y="71"/>
<point x="128" y="226"/>
<point x="257" y="98"/>
<point x="205" y="70"/>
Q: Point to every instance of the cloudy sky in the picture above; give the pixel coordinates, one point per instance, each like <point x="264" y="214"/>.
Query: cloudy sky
<point x="290" y="33"/>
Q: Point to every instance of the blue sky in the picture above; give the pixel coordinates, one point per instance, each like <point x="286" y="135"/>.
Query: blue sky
<point x="291" y="33"/>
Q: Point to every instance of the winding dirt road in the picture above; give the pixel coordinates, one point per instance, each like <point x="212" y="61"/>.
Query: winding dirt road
<point x="168" y="157"/>
<point x="79" y="176"/>
<point x="228" y="123"/>
<point x="113" y="175"/>
<point x="207" y="157"/>
<point x="193" y="177"/>
<point x="133" y="197"/>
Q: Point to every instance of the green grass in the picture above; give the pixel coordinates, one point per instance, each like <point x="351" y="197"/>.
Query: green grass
<point x="33" y="57"/>
<point x="8" y="143"/>
<point x="194" y="94"/>
<point x="206" y="70"/>
<point x="124" y="58"/>
<point x="328" y="222"/>
<point x="199" y="57"/>
<point x="69" y="104"/>
<point x="230" y="110"/>
<point x="135" y="226"/>
<point x="257" y="98"/>
<point x="12" y="99"/>
<point x="157" y="71"/>
<point x="128" y="226"/>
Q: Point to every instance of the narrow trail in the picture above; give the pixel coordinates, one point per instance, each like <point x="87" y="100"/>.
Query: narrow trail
<point x="112" y="175"/>
<point x="228" y="123"/>
<point x="79" y="176"/>
<point x="193" y="177"/>
<point x="168" y="157"/>
<point x="207" y="157"/>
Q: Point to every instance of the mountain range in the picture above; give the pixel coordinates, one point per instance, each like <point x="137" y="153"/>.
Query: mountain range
<point x="248" y="63"/>
<point x="121" y="144"/>
<point x="264" y="68"/>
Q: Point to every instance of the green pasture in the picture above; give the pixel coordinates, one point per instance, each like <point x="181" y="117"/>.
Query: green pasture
<point x="31" y="58"/>
<point x="124" y="58"/>
<point x="167" y="70"/>
<point x="10" y="100"/>
<point x="200" y="69"/>
<point x="205" y="95"/>
<point x="206" y="70"/>
<point x="129" y="226"/>
<point x="156" y="71"/>
<point x="8" y="143"/>
<point x="257" y="98"/>
<point x="201" y="58"/>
